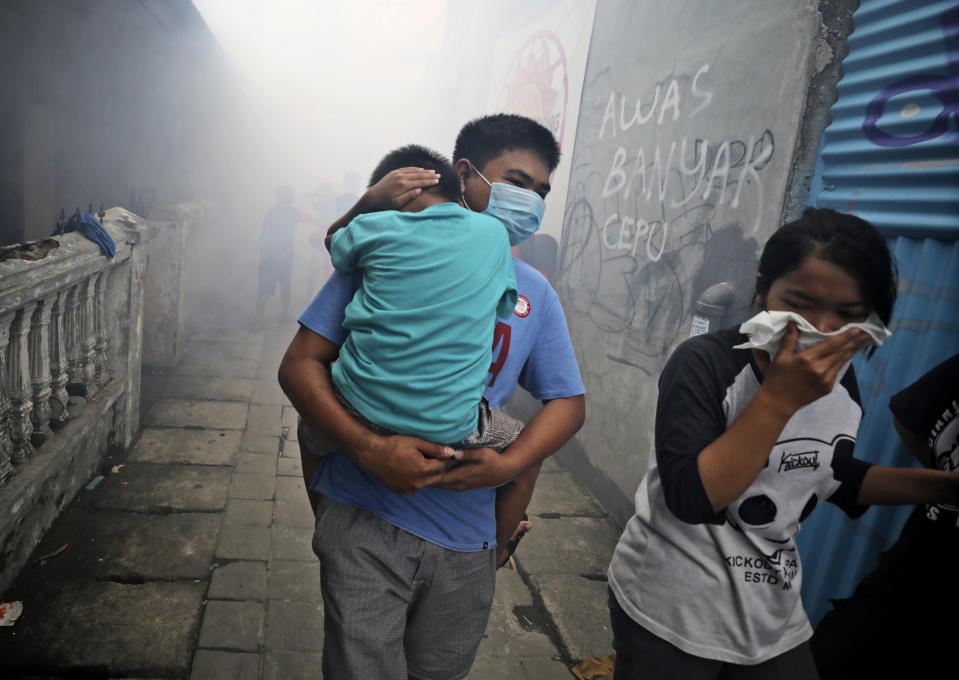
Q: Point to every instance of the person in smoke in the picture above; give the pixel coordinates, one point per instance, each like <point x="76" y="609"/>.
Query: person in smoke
<point x="322" y="199"/>
<point x="276" y="253"/>
<point x="391" y="508"/>
<point x="350" y="195"/>
<point x="420" y="342"/>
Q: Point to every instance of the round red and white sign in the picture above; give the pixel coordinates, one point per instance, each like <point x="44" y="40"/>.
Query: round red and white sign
<point x="522" y="307"/>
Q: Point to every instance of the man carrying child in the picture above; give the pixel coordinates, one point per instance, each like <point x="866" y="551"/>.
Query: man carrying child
<point x="404" y="537"/>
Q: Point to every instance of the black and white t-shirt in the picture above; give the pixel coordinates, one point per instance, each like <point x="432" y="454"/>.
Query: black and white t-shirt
<point x="726" y="585"/>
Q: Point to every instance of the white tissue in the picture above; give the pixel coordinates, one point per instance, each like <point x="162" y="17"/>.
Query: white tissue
<point x="767" y="329"/>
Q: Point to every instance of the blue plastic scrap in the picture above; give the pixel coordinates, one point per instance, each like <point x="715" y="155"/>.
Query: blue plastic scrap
<point x="90" y="226"/>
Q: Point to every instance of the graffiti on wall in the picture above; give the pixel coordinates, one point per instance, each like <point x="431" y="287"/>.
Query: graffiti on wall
<point x="537" y="83"/>
<point x="652" y="220"/>
<point x="944" y="89"/>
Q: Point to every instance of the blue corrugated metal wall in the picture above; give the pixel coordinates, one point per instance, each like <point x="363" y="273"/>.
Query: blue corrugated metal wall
<point x="891" y="155"/>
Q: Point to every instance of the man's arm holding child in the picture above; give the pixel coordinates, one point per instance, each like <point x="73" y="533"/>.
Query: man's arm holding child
<point x="396" y="189"/>
<point x="403" y="464"/>
<point x="551" y="427"/>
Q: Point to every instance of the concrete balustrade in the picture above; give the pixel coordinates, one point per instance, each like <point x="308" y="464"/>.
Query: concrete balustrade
<point x="70" y="324"/>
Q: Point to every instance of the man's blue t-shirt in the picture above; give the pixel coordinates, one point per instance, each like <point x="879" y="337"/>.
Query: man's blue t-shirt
<point x="531" y="347"/>
<point x="432" y="284"/>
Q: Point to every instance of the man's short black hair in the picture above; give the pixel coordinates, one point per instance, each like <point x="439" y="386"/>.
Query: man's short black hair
<point x="416" y="156"/>
<point x="483" y="139"/>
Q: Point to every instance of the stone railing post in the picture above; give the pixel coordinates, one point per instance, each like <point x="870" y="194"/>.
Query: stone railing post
<point x="59" y="365"/>
<point x="73" y="326"/>
<point x="39" y="342"/>
<point x="88" y="339"/>
<point x="18" y="381"/>
<point x="100" y="336"/>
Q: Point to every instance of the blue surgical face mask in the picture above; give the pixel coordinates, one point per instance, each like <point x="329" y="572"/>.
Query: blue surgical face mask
<point x="519" y="210"/>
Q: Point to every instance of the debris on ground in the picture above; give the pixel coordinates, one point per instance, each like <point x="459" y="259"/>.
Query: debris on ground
<point x="10" y="612"/>
<point x="92" y="484"/>
<point x="42" y="560"/>
<point x="595" y="668"/>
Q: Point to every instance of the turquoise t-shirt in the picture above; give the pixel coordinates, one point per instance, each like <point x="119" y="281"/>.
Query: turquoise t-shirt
<point x="421" y="323"/>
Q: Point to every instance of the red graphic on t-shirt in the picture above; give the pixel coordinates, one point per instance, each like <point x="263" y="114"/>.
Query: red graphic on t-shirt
<point x="501" y="335"/>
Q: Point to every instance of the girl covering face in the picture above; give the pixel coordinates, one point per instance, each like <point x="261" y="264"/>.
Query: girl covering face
<point x="705" y="581"/>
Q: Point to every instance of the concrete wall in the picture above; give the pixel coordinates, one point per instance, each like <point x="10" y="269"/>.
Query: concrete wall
<point x="171" y="277"/>
<point x="696" y="133"/>
<point x="124" y="103"/>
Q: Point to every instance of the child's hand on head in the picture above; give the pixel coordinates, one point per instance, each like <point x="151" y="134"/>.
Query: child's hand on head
<point x="397" y="188"/>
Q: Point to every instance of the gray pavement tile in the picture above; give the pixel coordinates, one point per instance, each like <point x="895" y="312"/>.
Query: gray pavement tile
<point x="294" y="513"/>
<point x="290" y="449"/>
<point x="289" y="665"/>
<point x="292" y="544"/>
<point x="241" y="511"/>
<point x="558" y="493"/>
<point x="290" y="489"/>
<point x="131" y="546"/>
<point x="210" y="664"/>
<point x="289" y="467"/>
<point x="490" y="667"/>
<point x="238" y="581"/>
<point x="213" y="415"/>
<point x="232" y="625"/>
<point x="145" y="487"/>
<point x="296" y="626"/>
<point x="568" y="545"/>
<point x="266" y="391"/>
<point x="217" y="389"/>
<point x="513" y="629"/>
<point x="216" y="366"/>
<point x="260" y="443"/>
<point x="290" y="417"/>
<point x="291" y="434"/>
<point x="125" y="628"/>
<point x="243" y="543"/>
<point x="551" y="465"/>
<point x="255" y="487"/>
<point x="264" y="419"/>
<point x="511" y="591"/>
<point x="266" y="370"/>
<point x="268" y="365"/>
<point x="578" y="607"/>
<point x="186" y="447"/>
<point x="298" y="581"/>
<point x="256" y="464"/>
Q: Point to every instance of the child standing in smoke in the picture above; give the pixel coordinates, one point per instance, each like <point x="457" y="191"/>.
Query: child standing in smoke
<point x="434" y="277"/>
<point x="276" y="253"/>
<point x="323" y="199"/>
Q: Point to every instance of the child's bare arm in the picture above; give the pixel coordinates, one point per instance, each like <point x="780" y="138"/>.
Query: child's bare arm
<point x="396" y="189"/>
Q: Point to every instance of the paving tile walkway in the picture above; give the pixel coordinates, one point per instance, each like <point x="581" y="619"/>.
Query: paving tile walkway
<point x="192" y="559"/>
